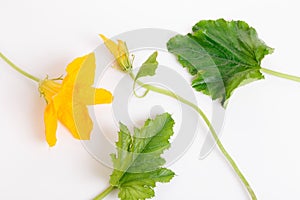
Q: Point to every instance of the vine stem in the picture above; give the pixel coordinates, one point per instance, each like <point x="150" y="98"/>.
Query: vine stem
<point x="208" y="123"/>
<point x="10" y="63"/>
<point x="104" y="193"/>
<point x="281" y="75"/>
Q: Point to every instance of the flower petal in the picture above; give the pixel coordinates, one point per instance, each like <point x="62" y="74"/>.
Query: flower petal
<point x="81" y="72"/>
<point x="122" y="47"/>
<point x="92" y="96"/>
<point x="50" y="120"/>
<point x="76" y="118"/>
<point x="113" y="47"/>
<point x="103" y="96"/>
<point x="120" y="52"/>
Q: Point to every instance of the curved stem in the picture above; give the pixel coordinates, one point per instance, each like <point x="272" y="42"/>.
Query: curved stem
<point x="208" y="123"/>
<point x="104" y="193"/>
<point x="19" y="69"/>
<point x="281" y="75"/>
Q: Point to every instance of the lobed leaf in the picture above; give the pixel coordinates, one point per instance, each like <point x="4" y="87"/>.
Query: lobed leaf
<point x="222" y="55"/>
<point x="138" y="162"/>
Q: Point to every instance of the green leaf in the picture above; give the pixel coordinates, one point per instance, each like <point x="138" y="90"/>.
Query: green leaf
<point x="149" y="67"/>
<point x="138" y="162"/>
<point x="222" y="55"/>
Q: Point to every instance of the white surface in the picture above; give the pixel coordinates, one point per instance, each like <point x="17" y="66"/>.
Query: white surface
<point x="262" y="122"/>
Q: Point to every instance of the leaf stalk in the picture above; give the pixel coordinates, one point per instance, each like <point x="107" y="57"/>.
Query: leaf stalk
<point x="281" y="75"/>
<point x="104" y="193"/>
<point x="208" y="123"/>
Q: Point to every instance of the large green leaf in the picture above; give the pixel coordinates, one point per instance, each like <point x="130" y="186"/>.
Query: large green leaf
<point x="138" y="162"/>
<point x="222" y="55"/>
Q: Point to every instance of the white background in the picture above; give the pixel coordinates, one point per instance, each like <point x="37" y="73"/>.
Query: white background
<point x="261" y="130"/>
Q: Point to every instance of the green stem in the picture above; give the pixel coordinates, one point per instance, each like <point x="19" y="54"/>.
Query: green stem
<point x="281" y="75"/>
<point x="104" y="193"/>
<point x="19" y="69"/>
<point x="208" y="123"/>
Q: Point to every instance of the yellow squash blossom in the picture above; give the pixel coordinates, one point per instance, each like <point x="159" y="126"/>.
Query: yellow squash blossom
<point x="119" y="51"/>
<point x="67" y="101"/>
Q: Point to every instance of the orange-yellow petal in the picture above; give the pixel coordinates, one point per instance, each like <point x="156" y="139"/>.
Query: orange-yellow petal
<point x="103" y="96"/>
<point x="48" y="89"/>
<point x="111" y="45"/>
<point x="50" y="120"/>
<point x="120" y="52"/>
<point x="83" y="121"/>
<point x="92" y="96"/>
<point x="76" y="119"/>
<point x="122" y="47"/>
<point x="75" y="65"/>
<point x="81" y="72"/>
<point x="123" y="58"/>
